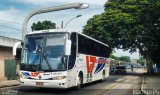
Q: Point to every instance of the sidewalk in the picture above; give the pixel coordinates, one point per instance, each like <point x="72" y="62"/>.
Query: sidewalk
<point x="9" y="83"/>
<point x="151" y="84"/>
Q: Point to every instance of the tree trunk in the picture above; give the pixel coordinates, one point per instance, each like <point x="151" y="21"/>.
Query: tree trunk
<point x="149" y="64"/>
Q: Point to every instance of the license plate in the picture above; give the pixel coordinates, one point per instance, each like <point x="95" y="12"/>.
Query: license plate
<point x="39" y="83"/>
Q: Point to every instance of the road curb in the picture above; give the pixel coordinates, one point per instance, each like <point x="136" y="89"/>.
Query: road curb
<point x="5" y="86"/>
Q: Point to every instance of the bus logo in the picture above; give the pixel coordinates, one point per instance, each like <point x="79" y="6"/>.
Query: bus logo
<point x="34" y="74"/>
<point x="90" y="61"/>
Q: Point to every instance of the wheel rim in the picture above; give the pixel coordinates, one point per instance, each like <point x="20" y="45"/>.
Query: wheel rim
<point x="79" y="82"/>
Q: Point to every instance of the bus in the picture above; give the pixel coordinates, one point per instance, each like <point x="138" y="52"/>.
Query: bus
<point x="60" y="58"/>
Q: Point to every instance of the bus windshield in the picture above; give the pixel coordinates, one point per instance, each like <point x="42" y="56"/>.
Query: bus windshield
<point x="44" y="52"/>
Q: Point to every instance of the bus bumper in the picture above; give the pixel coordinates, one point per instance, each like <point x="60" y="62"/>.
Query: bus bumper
<point x="44" y="83"/>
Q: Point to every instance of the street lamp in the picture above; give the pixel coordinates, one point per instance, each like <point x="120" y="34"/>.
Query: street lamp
<point x="71" y="20"/>
<point x="50" y="9"/>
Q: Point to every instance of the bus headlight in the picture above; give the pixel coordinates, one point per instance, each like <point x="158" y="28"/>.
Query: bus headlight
<point x="59" y="77"/>
<point x="22" y="76"/>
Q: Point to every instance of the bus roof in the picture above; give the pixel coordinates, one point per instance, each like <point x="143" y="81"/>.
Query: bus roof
<point x="64" y="30"/>
<point x="52" y="30"/>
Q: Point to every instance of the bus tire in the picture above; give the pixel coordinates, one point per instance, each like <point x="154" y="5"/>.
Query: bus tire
<point x="80" y="81"/>
<point x="103" y="76"/>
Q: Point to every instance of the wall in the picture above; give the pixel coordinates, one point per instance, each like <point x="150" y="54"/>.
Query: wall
<point x="8" y="42"/>
<point x="6" y="45"/>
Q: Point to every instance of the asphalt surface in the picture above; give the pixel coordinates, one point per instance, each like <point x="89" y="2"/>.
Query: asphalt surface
<point x="113" y="85"/>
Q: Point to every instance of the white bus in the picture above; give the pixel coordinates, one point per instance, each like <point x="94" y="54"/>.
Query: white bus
<point x="59" y="58"/>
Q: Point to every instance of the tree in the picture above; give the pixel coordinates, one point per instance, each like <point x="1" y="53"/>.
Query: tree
<point x="125" y="58"/>
<point x="43" y="25"/>
<point x="122" y="58"/>
<point x="141" y="61"/>
<point x="114" y="57"/>
<point x="156" y="56"/>
<point x="128" y="25"/>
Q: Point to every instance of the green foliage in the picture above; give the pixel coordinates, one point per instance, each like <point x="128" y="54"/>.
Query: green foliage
<point x="141" y="61"/>
<point x="125" y="58"/>
<point x="128" y="25"/>
<point x="122" y="58"/>
<point x="43" y="25"/>
<point x="114" y="57"/>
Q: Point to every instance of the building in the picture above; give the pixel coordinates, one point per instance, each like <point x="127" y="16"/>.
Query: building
<point x="6" y="45"/>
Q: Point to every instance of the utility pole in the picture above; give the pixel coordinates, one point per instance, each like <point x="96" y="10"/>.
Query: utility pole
<point x="62" y="25"/>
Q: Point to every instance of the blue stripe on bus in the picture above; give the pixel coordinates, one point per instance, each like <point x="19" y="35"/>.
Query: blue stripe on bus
<point x="101" y="66"/>
<point x="26" y="73"/>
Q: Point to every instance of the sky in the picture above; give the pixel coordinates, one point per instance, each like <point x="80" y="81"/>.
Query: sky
<point x="13" y="12"/>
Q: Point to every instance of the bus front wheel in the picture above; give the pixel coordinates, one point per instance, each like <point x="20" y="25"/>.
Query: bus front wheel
<point x="80" y="81"/>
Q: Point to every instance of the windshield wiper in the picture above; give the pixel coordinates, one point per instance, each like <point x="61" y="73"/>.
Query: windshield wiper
<point x="49" y="66"/>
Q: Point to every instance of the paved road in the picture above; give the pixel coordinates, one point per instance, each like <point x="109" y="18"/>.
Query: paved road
<point x="113" y="85"/>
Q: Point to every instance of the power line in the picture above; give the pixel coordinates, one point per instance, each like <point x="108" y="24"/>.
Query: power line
<point x="7" y="33"/>
<point x="11" y="22"/>
<point x="14" y="36"/>
<point x="1" y="31"/>
<point x="11" y="27"/>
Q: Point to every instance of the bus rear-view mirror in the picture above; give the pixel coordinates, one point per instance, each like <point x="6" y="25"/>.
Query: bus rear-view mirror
<point x="68" y="47"/>
<point x="16" y="45"/>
